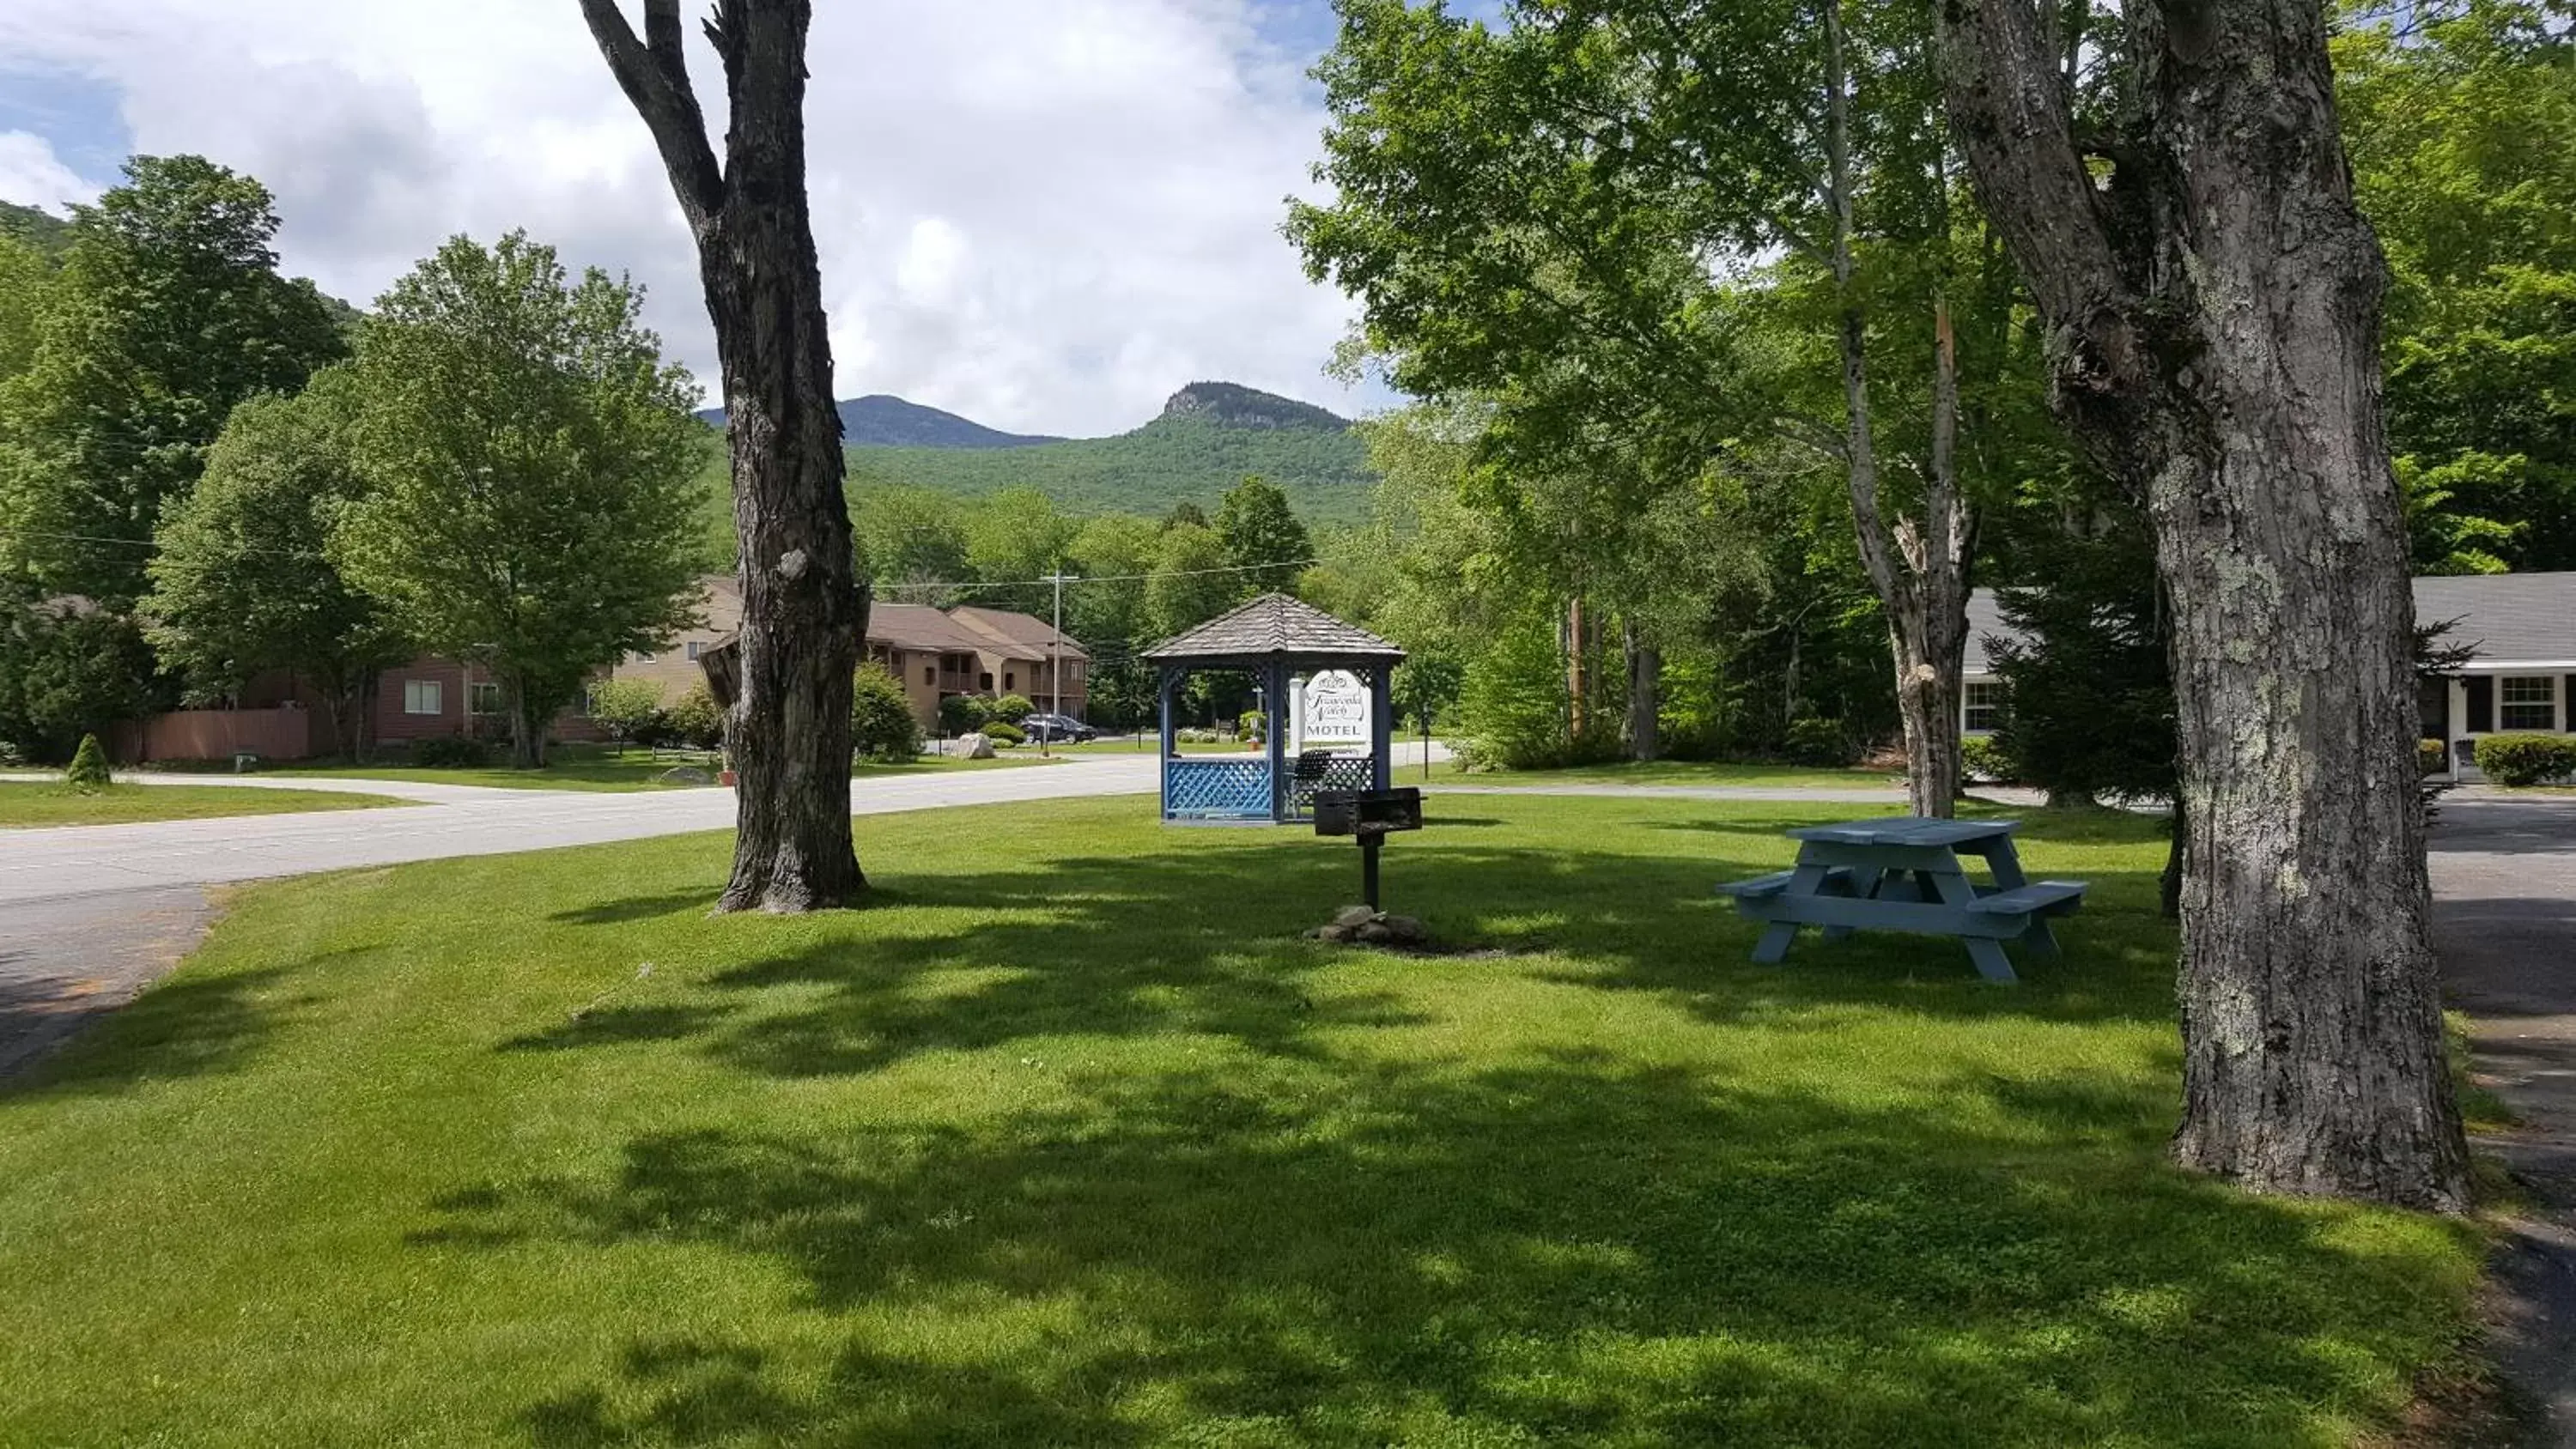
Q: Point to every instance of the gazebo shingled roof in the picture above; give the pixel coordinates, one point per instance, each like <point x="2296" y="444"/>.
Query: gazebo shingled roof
<point x="1274" y="625"/>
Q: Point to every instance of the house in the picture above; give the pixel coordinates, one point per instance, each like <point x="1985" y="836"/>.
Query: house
<point x="2519" y="675"/>
<point x="934" y="653"/>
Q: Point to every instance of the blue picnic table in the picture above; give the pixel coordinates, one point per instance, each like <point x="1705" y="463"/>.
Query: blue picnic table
<point x="1904" y="874"/>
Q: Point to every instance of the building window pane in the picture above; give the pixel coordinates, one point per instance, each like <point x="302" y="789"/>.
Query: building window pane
<point x="484" y="698"/>
<point x="1985" y="706"/>
<point x="929" y="675"/>
<point x="424" y="696"/>
<point x="694" y="648"/>
<point x="2529" y="704"/>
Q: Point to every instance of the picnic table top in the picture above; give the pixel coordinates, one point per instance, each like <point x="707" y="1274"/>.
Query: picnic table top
<point x="1912" y="830"/>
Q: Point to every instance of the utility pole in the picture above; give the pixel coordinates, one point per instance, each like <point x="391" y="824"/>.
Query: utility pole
<point x="1055" y="671"/>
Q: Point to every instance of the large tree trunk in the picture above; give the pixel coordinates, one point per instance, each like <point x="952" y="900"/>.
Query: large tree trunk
<point x="804" y="614"/>
<point x="1920" y="571"/>
<point x="1645" y="695"/>
<point x="2214" y="319"/>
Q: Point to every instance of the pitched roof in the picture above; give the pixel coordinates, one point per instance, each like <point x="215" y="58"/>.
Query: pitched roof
<point x="919" y="626"/>
<point x="1023" y="636"/>
<point x="1275" y="624"/>
<point x="2506" y="618"/>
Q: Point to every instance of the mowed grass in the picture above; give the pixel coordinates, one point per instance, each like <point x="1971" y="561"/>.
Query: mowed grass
<point x="1071" y="1140"/>
<point x="1684" y="772"/>
<point x="595" y="770"/>
<point x="32" y="804"/>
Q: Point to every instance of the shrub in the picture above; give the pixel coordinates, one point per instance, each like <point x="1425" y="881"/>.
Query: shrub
<point x="695" y="719"/>
<point x="1010" y="709"/>
<point x="629" y="709"/>
<point x="1004" y="733"/>
<point x="964" y="714"/>
<point x="1984" y="759"/>
<point x="451" y="752"/>
<point x="88" y="772"/>
<point x="2431" y="757"/>
<point x="2527" y="759"/>
<point x="1250" y="725"/>
<point x="1512" y="705"/>
<point x="881" y="722"/>
<point x="1822" y="742"/>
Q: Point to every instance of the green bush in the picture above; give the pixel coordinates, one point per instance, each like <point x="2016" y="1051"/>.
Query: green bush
<point x="1821" y="742"/>
<point x="1250" y="724"/>
<point x="2431" y="757"/>
<point x="1512" y="704"/>
<point x="629" y="709"/>
<point x="964" y="714"/>
<point x="1004" y="733"/>
<point x="1985" y="760"/>
<point x="450" y="752"/>
<point x="695" y="719"/>
<point x="881" y="722"/>
<point x="2527" y="759"/>
<point x="88" y="772"/>
<point x="1010" y="709"/>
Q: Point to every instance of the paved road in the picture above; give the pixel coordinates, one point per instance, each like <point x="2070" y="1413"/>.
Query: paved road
<point x="2504" y="921"/>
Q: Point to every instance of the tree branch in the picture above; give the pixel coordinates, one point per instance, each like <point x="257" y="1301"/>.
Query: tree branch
<point x="654" y="74"/>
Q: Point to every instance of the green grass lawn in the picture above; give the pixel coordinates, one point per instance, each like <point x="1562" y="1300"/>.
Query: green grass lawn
<point x="26" y="805"/>
<point x="1071" y="1141"/>
<point x="1682" y="772"/>
<point x="598" y="770"/>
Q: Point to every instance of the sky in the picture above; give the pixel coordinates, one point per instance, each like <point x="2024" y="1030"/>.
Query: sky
<point x="1046" y="215"/>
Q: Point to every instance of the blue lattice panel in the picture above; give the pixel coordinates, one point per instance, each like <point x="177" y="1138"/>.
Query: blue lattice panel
<point x="1341" y="772"/>
<point x="1216" y="789"/>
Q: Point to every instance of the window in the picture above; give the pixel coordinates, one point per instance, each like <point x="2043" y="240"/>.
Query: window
<point x="483" y="697"/>
<point x="424" y="696"/>
<point x="1010" y="680"/>
<point x="643" y="658"/>
<point x="930" y="674"/>
<point x="694" y="650"/>
<point x="1985" y="707"/>
<point x="2530" y="703"/>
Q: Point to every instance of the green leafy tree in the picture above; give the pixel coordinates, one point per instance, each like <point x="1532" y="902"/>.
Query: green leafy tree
<point x="1014" y="537"/>
<point x="243" y="579"/>
<point x="696" y="718"/>
<point x="167" y="311"/>
<point x="2462" y="135"/>
<point x="529" y="454"/>
<point x="629" y="709"/>
<point x="1010" y="709"/>
<point x="1191" y="584"/>
<point x="25" y="276"/>
<point x="68" y="669"/>
<point x="1262" y="537"/>
<point x="912" y="541"/>
<point x="882" y="726"/>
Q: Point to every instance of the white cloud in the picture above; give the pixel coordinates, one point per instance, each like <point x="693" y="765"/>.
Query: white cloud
<point x="31" y="175"/>
<point x="1044" y="214"/>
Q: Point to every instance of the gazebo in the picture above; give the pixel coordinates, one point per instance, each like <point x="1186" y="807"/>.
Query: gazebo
<point x="1323" y="682"/>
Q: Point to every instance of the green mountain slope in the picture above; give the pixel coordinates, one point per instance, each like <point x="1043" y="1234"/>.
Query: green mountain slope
<point x="1170" y="460"/>
<point x="1208" y="437"/>
<point x="43" y="230"/>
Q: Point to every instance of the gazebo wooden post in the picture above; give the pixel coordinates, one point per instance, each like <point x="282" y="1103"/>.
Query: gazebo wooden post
<point x="1171" y="679"/>
<point x="1381" y="727"/>
<point x="1274" y="738"/>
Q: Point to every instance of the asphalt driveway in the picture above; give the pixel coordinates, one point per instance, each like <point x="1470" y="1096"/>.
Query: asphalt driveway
<point x="2504" y="922"/>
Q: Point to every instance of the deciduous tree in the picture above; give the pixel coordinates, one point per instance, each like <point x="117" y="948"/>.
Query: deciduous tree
<point x="2211" y="298"/>
<point x="529" y="459"/>
<point x="805" y="611"/>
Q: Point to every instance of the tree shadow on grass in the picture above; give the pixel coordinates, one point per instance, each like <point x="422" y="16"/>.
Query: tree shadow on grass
<point x="1566" y="1248"/>
<point x="190" y="1026"/>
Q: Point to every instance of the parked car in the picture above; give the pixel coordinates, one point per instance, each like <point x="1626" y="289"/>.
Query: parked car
<point x="1058" y="729"/>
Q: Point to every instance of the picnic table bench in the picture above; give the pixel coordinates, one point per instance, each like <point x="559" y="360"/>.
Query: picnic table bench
<point x="1904" y="874"/>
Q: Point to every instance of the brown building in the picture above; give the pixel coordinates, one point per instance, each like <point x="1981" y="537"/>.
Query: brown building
<point x="935" y="654"/>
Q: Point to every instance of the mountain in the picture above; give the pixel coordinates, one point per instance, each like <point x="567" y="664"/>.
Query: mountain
<point x="46" y="232"/>
<point x="880" y="421"/>
<point x="1208" y="436"/>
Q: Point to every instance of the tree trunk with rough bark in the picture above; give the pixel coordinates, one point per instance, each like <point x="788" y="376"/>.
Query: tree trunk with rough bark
<point x="1645" y="696"/>
<point x="2213" y="315"/>
<point x="804" y="611"/>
